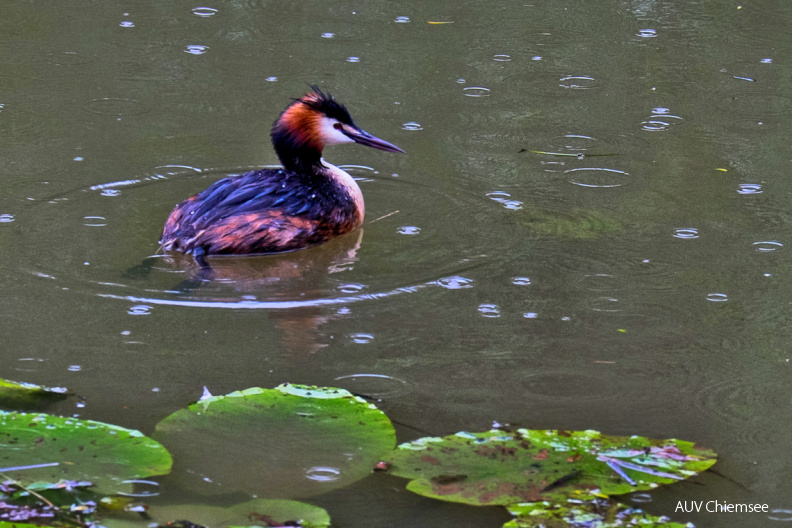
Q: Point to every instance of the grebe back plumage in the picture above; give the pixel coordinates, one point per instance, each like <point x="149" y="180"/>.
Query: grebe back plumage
<point x="305" y="203"/>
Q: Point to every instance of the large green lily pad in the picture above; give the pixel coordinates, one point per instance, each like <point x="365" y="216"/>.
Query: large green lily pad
<point x="15" y="395"/>
<point x="595" y="513"/>
<point x="291" y="441"/>
<point x="259" y="512"/>
<point x="509" y="467"/>
<point x="84" y="450"/>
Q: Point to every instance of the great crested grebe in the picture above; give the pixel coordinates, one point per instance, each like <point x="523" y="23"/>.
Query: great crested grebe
<point x="305" y="203"/>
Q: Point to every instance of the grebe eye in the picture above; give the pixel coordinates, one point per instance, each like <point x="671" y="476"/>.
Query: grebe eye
<point x="337" y="125"/>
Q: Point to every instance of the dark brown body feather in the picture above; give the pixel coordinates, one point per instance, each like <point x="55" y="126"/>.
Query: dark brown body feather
<point x="262" y="211"/>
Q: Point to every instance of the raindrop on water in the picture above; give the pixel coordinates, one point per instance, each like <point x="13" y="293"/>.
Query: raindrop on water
<point x="412" y="125"/>
<point x="749" y="188"/>
<point x="686" y="232"/>
<point x="139" y="309"/>
<point x="352" y="287"/>
<point x="402" y="19"/>
<point x="127" y="24"/>
<point x="196" y="49"/>
<point x="361" y="339"/>
<point x="110" y="192"/>
<point x="328" y="35"/>
<point x="770" y="245"/>
<point x="780" y="515"/>
<point x="204" y="11"/>
<point x="323" y="474"/>
<point x="74" y="368"/>
<point x="521" y="281"/>
<point x="353" y="59"/>
<point x="502" y="58"/>
<point x="489" y="310"/>
<point x="454" y="283"/>
<point x="530" y="315"/>
<point x="95" y="221"/>
<point x="6" y="218"/>
<point x="409" y="230"/>
<point x="717" y="297"/>
<point x="577" y="82"/>
<point x="646" y="33"/>
<point x="476" y="91"/>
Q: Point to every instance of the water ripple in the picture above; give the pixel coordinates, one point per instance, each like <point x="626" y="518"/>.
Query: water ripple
<point x="597" y="177"/>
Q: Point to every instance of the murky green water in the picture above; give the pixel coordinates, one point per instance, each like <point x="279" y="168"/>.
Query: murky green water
<point x="590" y="229"/>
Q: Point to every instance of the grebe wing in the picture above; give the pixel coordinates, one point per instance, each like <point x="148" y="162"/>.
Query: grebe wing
<point x="258" y="232"/>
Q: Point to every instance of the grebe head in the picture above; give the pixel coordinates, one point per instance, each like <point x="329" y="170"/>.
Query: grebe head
<point x="313" y="122"/>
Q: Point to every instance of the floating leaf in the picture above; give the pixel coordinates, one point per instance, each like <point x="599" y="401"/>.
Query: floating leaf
<point x="509" y="467"/>
<point x="599" y="513"/>
<point x="16" y="395"/>
<point x="101" y="453"/>
<point x="291" y="441"/>
<point x="259" y="512"/>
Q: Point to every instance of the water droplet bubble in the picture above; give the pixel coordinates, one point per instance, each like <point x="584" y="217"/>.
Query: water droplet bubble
<point x="489" y="310"/>
<point x="412" y="125"/>
<point x="196" y="49"/>
<point x="361" y="339"/>
<point x="353" y="59"/>
<point x="578" y="82"/>
<point x="95" y="221"/>
<point x="749" y="188"/>
<point x="402" y="19"/>
<point x="597" y="177"/>
<point x="143" y="488"/>
<point x="328" y="35"/>
<point x="74" y="368"/>
<point x="323" y="474"/>
<point x="717" y="297"/>
<point x="641" y="497"/>
<point x="454" y="283"/>
<point x="767" y="246"/>
<point x="139" y="309"/>
<point x="127" y="24"/>
<point x="530" y="315"/>
<point x="6" y="218"/>
<point x="646" y="33"/>
<point x="476" y="91"/>
<point x="204" y="12"/>
<point x="661" y="122"/>
<point x="409" y="230"/>
<point x="503" y="198"/>
<point x="110" y="192"/>
<point x="780" y="515"/>
<point x="352" y="287"/>
<point x="502" y="58"/>
<point x="271" y="79"/>
<point x="521" y="281"/>
<point x="686" y="233"/>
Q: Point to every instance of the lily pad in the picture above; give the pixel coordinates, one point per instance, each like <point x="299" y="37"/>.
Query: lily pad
<point x="291" y="441"/>
<point x="84" y="450"/>
<point x="509" y="467"/>
<point x="16" y="395"/>
<point x="259" y="512"/>
<point x="595" y="513"/>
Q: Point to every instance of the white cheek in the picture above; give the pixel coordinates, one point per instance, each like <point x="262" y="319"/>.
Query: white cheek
<point x="329" y="134"/>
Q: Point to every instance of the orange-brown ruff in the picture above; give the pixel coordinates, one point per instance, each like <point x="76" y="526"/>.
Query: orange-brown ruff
<point x="305" y="203"/>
